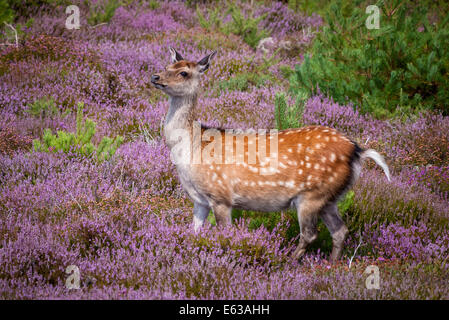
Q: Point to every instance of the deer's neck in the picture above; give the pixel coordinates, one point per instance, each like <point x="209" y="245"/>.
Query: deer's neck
<point x="179" y="118"/>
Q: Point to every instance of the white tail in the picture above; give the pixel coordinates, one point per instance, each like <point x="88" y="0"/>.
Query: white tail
<point x="377" y="157"/>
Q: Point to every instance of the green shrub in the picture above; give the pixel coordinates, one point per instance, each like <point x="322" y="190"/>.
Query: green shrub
<point x="154" y="4"/>
<point x="26" y="8"/>
<point x="289" y="116"/>
<point x="79" y="142"/>
<point x="243" y="81"/>
<point x="345" y="204"/>
<point x="213" y="21"/>
<point x="44" y="107"/>
<point x="400" y="68"/>
<point x="245" y="27"/>
<point x="6" y="13"/>
<point x="309" y="6"/>
<point x="103" y="11"/>
<point x="288" y="219"/>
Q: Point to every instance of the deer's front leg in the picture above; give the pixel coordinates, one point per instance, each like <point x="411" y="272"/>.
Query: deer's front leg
<point x="200" y="213"/>
<point x="222" y="214"/>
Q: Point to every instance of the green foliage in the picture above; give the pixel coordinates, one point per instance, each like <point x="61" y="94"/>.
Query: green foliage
<point x="213" y="21"/>
<point x="154" y="4"/>
<point x="286" y="71"/>
<point x="211" y="218"/>
<point x="243" y="81"/>
<point x="79" y="142"/>
<point x="45" y="107"/>
<point x="259" y="75"/>
<point x="193" y="3"/>
<point x="6" y="13"/>
<point x="345" y="204"/>
<point x="400" y="68"/>
<point x="245" y="27"/>
<point x="289" y="116"/>
<point x="7" y="16"/>
<point x="103" y="11"/>
<point x="271" y="220"/>
<point x="25" y="8"/>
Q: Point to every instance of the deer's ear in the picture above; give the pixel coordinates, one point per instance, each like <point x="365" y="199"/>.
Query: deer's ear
<point x="175" y="56"/>
<point x="204" y="63"/>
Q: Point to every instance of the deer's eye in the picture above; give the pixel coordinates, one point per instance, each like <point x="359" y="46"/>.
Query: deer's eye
<point x="184" y="74"/>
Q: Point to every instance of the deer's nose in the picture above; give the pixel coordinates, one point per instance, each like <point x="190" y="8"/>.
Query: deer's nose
<point x="155" y="77"/>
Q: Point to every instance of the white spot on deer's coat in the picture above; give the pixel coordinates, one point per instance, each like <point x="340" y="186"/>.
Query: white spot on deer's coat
<point x="253" y="169"/>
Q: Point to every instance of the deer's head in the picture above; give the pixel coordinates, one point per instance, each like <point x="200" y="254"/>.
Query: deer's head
<point x="181" y="77"/>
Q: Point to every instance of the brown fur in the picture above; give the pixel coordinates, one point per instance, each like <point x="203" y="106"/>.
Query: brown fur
<point x="323" y="174"/>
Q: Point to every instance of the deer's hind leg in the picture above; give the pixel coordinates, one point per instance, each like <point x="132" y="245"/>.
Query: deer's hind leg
<point x="222" y="213"/>
<point x="337" y="228"/>
<point x="308" y="208"/>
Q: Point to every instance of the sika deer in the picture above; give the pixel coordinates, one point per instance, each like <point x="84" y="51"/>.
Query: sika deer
<point x="310" y="167"/>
